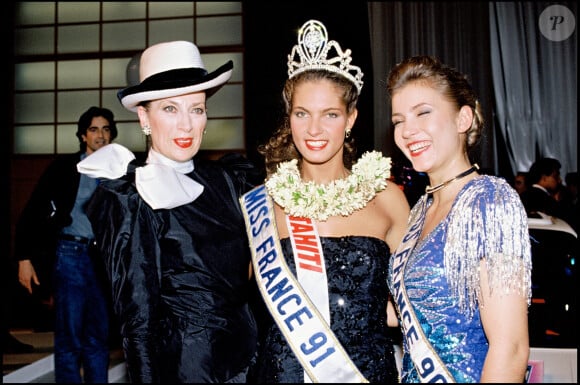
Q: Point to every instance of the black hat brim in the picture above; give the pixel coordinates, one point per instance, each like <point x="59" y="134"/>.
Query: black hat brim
<point x="175" y="82"/>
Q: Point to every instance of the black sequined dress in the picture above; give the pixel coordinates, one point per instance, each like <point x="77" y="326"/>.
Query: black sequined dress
<point x="357" y="275"/>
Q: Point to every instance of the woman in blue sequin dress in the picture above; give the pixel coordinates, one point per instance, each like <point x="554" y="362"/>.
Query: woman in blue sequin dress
<point x="461" y="277"/>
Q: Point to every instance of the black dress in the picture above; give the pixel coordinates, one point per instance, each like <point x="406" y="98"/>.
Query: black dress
<point x="356" y="268"/>
<point x="179" y="277"/>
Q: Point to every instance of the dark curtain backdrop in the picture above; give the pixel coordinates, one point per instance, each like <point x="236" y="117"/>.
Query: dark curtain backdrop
<point x="527" y="84"/>
<point x="456" y="32"/>
<point x="535" y="81"/>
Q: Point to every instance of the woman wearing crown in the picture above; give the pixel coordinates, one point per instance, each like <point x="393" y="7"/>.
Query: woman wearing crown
<point x="321" y="229"/>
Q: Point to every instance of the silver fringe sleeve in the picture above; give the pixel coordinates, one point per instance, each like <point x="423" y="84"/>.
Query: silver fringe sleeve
<point x="488" y="222"/>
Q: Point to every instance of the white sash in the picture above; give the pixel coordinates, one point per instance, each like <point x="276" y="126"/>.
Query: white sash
<point x="309" y="262"/>
<point x="305" y="330"/>
<point x="427" y="363"/>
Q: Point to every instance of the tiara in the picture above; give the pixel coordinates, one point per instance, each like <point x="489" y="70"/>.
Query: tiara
<point x="313" y="48"/>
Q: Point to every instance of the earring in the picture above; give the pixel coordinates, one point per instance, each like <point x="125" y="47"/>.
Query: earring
<point x="347" y="133"/>
<point x="204" y="132"/>
<point x="146" y="129"/>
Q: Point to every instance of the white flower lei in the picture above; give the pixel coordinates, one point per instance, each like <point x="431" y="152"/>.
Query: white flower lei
<point x="340" y="197"/>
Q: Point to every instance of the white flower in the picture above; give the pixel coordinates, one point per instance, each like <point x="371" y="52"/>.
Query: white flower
<point x="340" y="197"/>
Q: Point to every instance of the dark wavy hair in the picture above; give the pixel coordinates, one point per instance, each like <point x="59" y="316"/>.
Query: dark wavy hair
<point x="86" y="119"/>
<point x="280" y="147"/>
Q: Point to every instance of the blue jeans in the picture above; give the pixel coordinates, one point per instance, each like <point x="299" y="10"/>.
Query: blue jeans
<point x="81" y="329"/>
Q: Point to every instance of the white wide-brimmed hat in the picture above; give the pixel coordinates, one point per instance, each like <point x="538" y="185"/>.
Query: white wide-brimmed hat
<point x="171" y="69"/>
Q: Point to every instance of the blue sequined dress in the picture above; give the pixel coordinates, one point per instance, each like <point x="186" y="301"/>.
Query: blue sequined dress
<point x="487" y="220"/>
<point x="357" y="271"/>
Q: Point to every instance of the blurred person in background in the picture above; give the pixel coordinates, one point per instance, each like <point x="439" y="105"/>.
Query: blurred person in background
<point x="520" y="182"/>
<point x="54" y="234"/>
<point x="543" y="193"/>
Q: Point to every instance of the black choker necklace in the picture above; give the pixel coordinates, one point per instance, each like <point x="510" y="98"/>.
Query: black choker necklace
<point x="431" y="190"/>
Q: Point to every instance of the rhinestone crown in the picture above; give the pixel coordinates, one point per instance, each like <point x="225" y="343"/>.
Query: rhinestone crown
<point x="312" y="53"/>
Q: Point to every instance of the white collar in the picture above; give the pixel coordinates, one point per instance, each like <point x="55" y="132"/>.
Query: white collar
<point x="155" y="157"/>
<point x="541" y="188"/>
<point x="161" y="183"/>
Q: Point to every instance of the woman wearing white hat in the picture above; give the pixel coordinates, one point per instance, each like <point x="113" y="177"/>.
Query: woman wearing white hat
<point x="172" y="233"/>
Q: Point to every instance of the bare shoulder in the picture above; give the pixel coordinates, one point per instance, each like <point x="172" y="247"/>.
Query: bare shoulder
<point x="393" y="204"/>
<point x="393" y="195"/>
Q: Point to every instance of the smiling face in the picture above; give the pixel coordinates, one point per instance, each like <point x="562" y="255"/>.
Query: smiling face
<point x="428" y="127"/>
<point x="97" y="135"/>
<point x="177" y="125"/>
<point x="318" y="120"/>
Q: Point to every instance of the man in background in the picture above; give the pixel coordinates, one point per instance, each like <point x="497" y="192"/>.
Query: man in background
<point x="520" y="182"/>
<point x="544" y="183"/>
<point x="54" y="235"/>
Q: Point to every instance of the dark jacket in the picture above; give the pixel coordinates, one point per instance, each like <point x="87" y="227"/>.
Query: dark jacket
<point x="46" y="213"/>
<point x="535" y="199"/>
<point x="179" y="277"/>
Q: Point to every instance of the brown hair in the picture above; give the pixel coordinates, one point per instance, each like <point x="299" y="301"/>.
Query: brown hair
<point x="280" y="147"/>
<point x="452" y="84"/>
